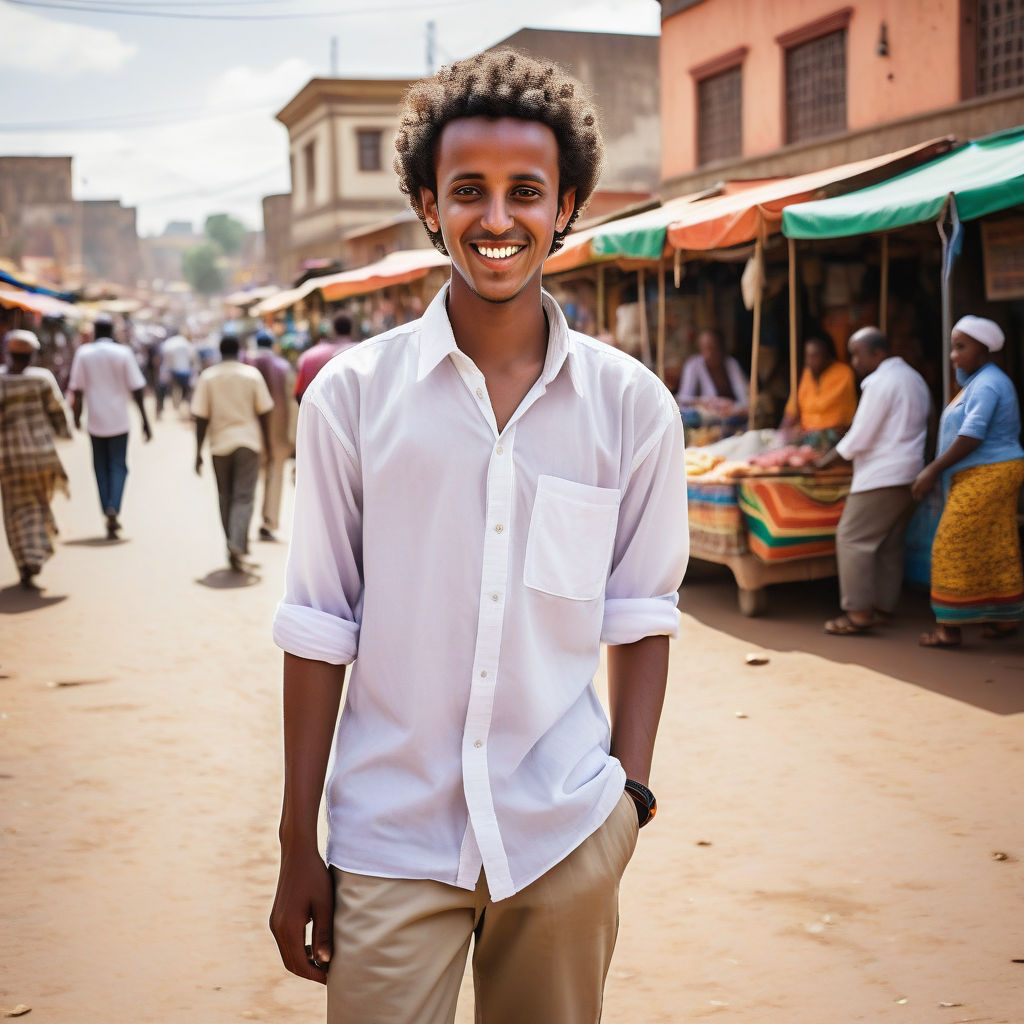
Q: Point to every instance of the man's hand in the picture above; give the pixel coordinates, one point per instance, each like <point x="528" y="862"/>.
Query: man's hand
<point x="199" y="464"/>
<point x="305" y="892"/>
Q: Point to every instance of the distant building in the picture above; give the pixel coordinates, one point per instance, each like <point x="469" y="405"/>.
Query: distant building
<point x="277" y="237"/>
<point x="766" y="89"/>
<point x="110" y="242"/>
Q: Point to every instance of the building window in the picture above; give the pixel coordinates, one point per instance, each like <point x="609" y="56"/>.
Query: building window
<point x="309" y="158"/>
<point x="999" y="36"/>
<point x="720" y="116"/>
<point x="369" y="146"/>
<point x="816" y="87"/>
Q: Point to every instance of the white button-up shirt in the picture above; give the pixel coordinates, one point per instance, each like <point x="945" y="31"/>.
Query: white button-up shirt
<point x="885" y="442"/>
<point x="472" y="574"/>
<point x="107" y="374"/>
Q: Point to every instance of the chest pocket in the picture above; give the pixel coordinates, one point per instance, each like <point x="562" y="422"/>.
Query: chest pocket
<point x="572" y="536"/>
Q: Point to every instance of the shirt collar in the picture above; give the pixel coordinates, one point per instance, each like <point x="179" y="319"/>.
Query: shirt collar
<point x="437" y="341"/>
<point x="888" y="364"/>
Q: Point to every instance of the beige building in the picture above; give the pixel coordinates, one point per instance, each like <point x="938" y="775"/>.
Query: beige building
<point x="341" y="138"/>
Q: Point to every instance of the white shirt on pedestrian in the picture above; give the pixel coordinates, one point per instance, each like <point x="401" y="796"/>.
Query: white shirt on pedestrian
<point x="178" y="354"/>
<point x="232" y="396"/>
<point x="472" y="574"/>
<point x="886" y="440"/>
<point x="107" y="374"/>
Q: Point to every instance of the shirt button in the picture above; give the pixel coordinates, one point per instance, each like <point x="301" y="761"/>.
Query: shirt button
<point x="478" y="743"/>
<point x="483" y="673"/>
<point x="499" y="528"/>
<point x="479" y="392"/>
<point x="494" y="597"/>
<point x="500" y="450"/>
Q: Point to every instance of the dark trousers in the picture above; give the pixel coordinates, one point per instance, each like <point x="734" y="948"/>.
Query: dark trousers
<point x="109" y="462"/>
<point x="236" y="475"/>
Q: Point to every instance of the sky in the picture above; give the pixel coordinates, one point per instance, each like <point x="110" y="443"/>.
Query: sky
<point x="169" y="105"/>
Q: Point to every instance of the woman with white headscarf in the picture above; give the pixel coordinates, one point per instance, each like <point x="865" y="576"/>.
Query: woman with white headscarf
<point x="31" y="412"/>
<point x="976" y="563"/>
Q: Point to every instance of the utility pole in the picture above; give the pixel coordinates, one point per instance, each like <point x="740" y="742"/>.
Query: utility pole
<point x="431" y="43"/>
<point x="334" y="56"/>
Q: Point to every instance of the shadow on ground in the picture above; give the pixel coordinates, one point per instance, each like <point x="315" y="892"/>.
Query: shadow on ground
<point x="17" y="599"/>
<point x="95" y="542"/>
<point x="988" y="674"/>
<point x="228" y="579"/>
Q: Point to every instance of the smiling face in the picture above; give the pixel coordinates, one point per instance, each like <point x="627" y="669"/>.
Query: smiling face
<point x="967" y="354"/>
<point x="497" y="204"/>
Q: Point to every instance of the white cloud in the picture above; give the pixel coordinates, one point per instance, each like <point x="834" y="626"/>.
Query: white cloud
<point x="246" y="86"/>
<point x="46" y="46"/>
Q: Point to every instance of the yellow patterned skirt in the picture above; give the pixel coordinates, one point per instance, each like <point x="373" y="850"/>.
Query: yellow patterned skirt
<point x="976" y="562"/>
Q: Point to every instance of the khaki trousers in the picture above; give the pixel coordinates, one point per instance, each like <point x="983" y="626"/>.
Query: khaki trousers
<point x="540" y="956"/>
<point x="272" y="466"/>
<point x="869" y="548"/>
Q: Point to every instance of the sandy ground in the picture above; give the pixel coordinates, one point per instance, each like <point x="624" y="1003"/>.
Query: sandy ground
<point x="825" y="852"/>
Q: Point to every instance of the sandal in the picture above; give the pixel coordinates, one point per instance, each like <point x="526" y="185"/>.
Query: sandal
<point x="938" y="638"/>
<point x="845" y="626"/>
<point x="999" y="630"/>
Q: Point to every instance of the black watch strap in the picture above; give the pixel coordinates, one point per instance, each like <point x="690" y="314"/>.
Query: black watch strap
<point x="646" y="805"/>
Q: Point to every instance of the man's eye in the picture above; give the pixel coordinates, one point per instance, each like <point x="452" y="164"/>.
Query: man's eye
<point x="527" y="193"/>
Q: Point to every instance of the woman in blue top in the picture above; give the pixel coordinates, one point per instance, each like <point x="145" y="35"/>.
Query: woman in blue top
<point x="976" y="564"/>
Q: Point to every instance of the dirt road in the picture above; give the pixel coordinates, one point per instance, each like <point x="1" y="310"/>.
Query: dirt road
<point x="840" y="838"/>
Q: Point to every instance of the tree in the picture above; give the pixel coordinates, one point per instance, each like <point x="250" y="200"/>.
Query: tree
<point x="201" y="268"/>
<point x="225" y="231"/>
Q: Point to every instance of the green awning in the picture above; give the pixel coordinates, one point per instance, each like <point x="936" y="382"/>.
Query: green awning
<point x="985" y="177"/>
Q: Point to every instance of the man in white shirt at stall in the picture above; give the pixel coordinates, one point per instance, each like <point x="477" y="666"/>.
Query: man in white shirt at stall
<point x="483" y="497"/>
<point x="886" y="444"/>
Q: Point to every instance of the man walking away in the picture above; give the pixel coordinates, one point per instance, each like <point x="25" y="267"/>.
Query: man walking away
<point x="106" y="374"/>
<point x="180" y="358"/>
<point x="886" y="444"/>
<point x="312" y="361"/>
<point x="275" y="371"/>
<point x="232" y="405"/>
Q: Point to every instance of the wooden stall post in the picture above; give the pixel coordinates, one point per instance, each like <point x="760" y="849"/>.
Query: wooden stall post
<point x="883" y="299"/>
<point x="792" y="319"/>
<point x="659" y="355"/>
<point x="600" y="299"/>
<point x="755" y="348"/>
<point x="645" y="337"/>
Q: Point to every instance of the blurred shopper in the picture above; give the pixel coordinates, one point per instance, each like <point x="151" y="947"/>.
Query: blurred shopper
<point x="711" y="373"/>
<point x="31" y="412"/>
<point x="886" y="444"/>
<point x="232" y="407"/>
<point x="106" y="374"/>
<point x="825" y="402"/>
<point x="313" y="360"/>
<point x="976" y="566"/>
<point x="276" y="372"/>
<point x="181" y="361"/>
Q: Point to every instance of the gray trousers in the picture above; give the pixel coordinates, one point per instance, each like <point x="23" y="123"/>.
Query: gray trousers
<point x="869" y="548"/>
<point x="236" y="475"/>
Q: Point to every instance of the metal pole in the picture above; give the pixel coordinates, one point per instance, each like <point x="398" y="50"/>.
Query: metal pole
<point x="883" y="301"/>
<point x="755" y="349"/>
<point x="792" y="319"/>
<point x="659" y="356"/>
<point x="600" y="299"/>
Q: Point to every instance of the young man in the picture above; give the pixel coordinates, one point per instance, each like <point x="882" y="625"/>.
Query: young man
<point x="885" y="443"/>
<point x="313" y="360"/>
<point x="106" y="375"/>
<point x="232" y="405"/>
<point x="483" y="496"/>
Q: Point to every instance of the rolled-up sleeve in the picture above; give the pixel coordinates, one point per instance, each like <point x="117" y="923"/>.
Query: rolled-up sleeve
<point x="319" y="616"/>
<point x="652" y="543"/>
<point x="978" y="410"/>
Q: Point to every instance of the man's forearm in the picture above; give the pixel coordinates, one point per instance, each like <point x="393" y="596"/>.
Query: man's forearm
<point x="637" y="676"/>
<point x="312" y="696"/>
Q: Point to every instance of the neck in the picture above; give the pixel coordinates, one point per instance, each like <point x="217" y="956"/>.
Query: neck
<point x="498" y="333"/>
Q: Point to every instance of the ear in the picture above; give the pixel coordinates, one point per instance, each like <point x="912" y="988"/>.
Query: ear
<point x="566" y="204"/>
<point x="429" y="206"/>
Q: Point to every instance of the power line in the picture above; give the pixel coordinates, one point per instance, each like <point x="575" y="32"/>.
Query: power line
<point x="111" y="122"/>
<point x="196" y="193"/>
<point x="70" y="5"/>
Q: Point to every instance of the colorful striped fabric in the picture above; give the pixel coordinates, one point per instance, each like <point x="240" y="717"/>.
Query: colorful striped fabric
<point x="790" y="518"/>
<point x="716" y="525"/>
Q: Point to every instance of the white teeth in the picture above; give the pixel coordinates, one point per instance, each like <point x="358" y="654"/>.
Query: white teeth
<point x="499" y="254"/>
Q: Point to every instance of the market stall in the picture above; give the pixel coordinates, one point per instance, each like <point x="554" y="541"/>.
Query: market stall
<point x="769" y="517"/>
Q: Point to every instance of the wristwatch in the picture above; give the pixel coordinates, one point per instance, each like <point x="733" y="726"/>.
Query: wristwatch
<point x="646" y="805"/>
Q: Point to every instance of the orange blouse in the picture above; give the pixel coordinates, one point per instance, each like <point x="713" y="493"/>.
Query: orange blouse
<point x="827" y="402"/>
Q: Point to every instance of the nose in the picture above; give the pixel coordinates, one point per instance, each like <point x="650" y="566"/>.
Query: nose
<point x="497" y="219"/>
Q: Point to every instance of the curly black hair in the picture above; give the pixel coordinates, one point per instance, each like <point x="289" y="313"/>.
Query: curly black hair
<point x="500" y="83"/>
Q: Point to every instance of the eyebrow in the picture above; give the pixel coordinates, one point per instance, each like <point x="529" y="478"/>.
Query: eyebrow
<point x="479" y="176"/>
